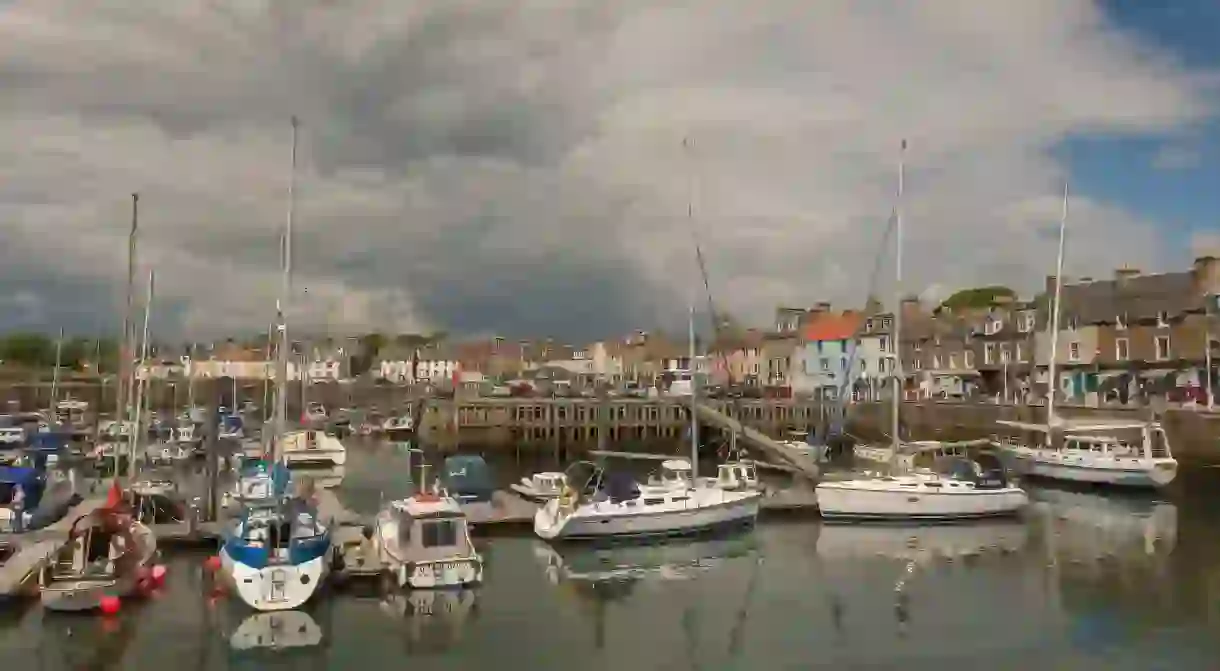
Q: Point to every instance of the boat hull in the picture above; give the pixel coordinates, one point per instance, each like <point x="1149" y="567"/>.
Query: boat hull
<point x="79" y="595"/>
<point x="871" y="500"/>
<point x="446" y="574"/>
<point x="550" y="524"/>
<point x="275" y="587"/>
<point x="1136" y="473"/>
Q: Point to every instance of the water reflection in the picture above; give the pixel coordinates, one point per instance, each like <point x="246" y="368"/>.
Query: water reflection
<point x="72" y="641"/>
<point x="1087" y="527"/>
<point x="920" y="543"/>
<point x="276" y="631"/>
<point x="434" y="620"/>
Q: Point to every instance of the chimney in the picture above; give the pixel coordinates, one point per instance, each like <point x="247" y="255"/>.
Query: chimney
<point x="1205" y="275"/>
<point x="1125" y="273"/>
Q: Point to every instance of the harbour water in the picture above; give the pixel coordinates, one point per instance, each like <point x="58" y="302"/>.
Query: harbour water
<point x="1088" y="580"/>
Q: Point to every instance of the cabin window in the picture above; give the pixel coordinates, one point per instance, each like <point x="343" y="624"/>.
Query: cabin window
<point x="932" y="484"/>
<point x="653" y="502"/>
<point x="679" y="498"/>
<point x="441" y="533"/>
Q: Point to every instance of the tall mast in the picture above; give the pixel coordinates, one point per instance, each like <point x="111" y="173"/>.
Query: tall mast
<point x="143" y="383"/>
<point x="59" y="349"/>
<point x="896" y="395"/>
<point x="694" y="400"/>
<point x="281" y="373"/>
<point x="1052" y="384"/>
<point x="125" y="353"/>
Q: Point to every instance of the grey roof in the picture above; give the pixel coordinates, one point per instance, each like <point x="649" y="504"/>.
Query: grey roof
<point x="1136" y="299"/>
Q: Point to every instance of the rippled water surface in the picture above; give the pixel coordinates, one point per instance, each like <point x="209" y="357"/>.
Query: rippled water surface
<point x="1087" y="581"/>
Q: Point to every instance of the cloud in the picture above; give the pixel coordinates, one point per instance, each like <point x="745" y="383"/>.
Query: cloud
<point x="1171" y="157"/>
<point x="518" y="168"/>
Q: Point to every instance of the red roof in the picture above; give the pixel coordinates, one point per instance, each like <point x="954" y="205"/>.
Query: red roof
<point x="830" y="326"/>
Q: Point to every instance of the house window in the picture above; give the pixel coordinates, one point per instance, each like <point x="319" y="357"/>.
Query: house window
<point x="936" y="361"/>
<point x="1122" y="349"/>
<point x="1162" y="348"/>
<point x="1004" y="353"/>
<point x="1027" y="322"/>
<point x="1120" y="322"/>
<point x="886" y="323"/>
<point x="1162" y="319"/>
<point x="1072" y="323"/>
<point x="1074" y="351"/>
<point x="992" y="327"/>
<point x="952" y="361"/>
<point x="917" y="364"/>
<point x="825" y="364"/>
<point x="968" y="359"/>
<point x="843" y="364"/>
<point x="885" y="344"/>
<point x="868" y="326"/>
<point x="1020" y="353"/>
<point x="863" y="365"/>
<point x="988" y="352"/>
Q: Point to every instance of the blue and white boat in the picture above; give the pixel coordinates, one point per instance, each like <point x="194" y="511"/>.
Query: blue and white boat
<point x="278" y="551"/>
<point x="231" y="427"/>
<point x="262" y="483"/>
<point x="276" y="556"/>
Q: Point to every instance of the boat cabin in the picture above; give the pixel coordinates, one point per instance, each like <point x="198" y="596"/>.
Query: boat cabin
<point x="71" y="412"/>
<point x="1119" y="439"/>
<point x="675" y="473"/>
<point x="548" y="483"/>
<point x="93" y="550"/>
<point x="281" y="536"/>
<point x="467" y="478"/>
<point x="432" y="528"/>
<point x="737" y="475"/>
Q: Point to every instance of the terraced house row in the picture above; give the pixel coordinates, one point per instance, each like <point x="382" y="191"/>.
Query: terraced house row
<point x="1131" y="336"/>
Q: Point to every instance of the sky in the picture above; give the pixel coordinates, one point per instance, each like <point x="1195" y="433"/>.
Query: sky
<point x="542" y="168"/>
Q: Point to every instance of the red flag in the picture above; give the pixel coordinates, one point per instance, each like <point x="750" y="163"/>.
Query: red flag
<point x="114" y="496"/>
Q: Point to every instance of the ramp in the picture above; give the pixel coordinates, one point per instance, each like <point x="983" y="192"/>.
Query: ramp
<point x="760" y="442"/>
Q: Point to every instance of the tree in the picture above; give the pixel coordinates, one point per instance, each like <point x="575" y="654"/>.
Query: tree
<point x="32" y="350"/>
<point x="372" y="344"/>
<point x="977" y="298"/>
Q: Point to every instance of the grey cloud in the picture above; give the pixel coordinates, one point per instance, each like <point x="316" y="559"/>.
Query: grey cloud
<point x="517" y="168"/>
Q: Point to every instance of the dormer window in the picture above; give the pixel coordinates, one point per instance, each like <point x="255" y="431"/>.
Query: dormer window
<point x="868" y="326"/>
<point x="1027" y="323"/>
<point x="1120" y="322"/>
<point x="992" y="327"/>
<point x="1162" y="319"/>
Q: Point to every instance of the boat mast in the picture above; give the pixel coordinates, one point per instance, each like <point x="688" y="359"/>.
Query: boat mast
<point x="142" y="386"/>
<point x="694" y="401"/>
<point x="1052" y="384"/>
<point x="59" y="349"/>
<point x="896" y="392"/>
<point x="281" y="308"/>
<point x="190" y="384"/>
<point x="125" y="353"/>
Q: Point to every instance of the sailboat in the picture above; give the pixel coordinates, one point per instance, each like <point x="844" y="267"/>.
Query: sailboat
<point x="970" y="492"/>
<point x="276" y="555"/>
<point x="1110" y="452"/>
<point x="597" y="504"/>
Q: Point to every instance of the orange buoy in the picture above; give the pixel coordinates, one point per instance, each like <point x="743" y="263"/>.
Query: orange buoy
<point x="158" y="574"/>
<point x="212" y="563"/>
<point x="109" y="605"/>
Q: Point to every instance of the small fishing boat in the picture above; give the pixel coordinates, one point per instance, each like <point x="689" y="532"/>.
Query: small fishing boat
<point x="541" y="486"/>
<point x="425" y="541"/>
<point x="467" y="478"/>
<point x="313" y="447"/>
<point x="398" y="427"/>
<point x="109" y="554"/>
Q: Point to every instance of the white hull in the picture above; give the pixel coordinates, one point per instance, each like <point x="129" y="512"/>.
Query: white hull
<point x="277" y="587"/>
<point x="1099" y="469"/>
<point x="313" y="448"/>
<point x="601" y="520"/>
<point x="912" y="498"/>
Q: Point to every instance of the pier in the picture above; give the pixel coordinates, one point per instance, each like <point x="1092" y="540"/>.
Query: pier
<point x="759" y="441"/>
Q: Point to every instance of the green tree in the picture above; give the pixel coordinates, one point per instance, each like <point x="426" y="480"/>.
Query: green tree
<point x="977" y="297"/>
<point x="33" y="350"/>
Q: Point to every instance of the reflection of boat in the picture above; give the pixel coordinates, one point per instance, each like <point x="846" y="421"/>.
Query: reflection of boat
<point x="323" y="478"/>
<point x="277" y="630"/>
<point x="1089" y="526"/>
<point x="670" y="560"/>
<point x="843" y="542"/>
<point x="436" y="619"/>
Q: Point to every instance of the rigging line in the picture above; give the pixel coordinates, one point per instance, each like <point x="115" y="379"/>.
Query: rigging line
<point x="699" y="259"/>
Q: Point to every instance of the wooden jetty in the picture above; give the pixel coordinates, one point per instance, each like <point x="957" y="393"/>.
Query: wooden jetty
<point x="800" y="461"/>
<point x="34" y="549"/>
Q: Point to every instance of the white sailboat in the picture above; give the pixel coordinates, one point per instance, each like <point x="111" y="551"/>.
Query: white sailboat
<point x="1123" y="453"/>
<point x="596" y="504"/>
<point x="313" y="447"/>
<point x="277" y="555"/>
<point x="968" y="494"/>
